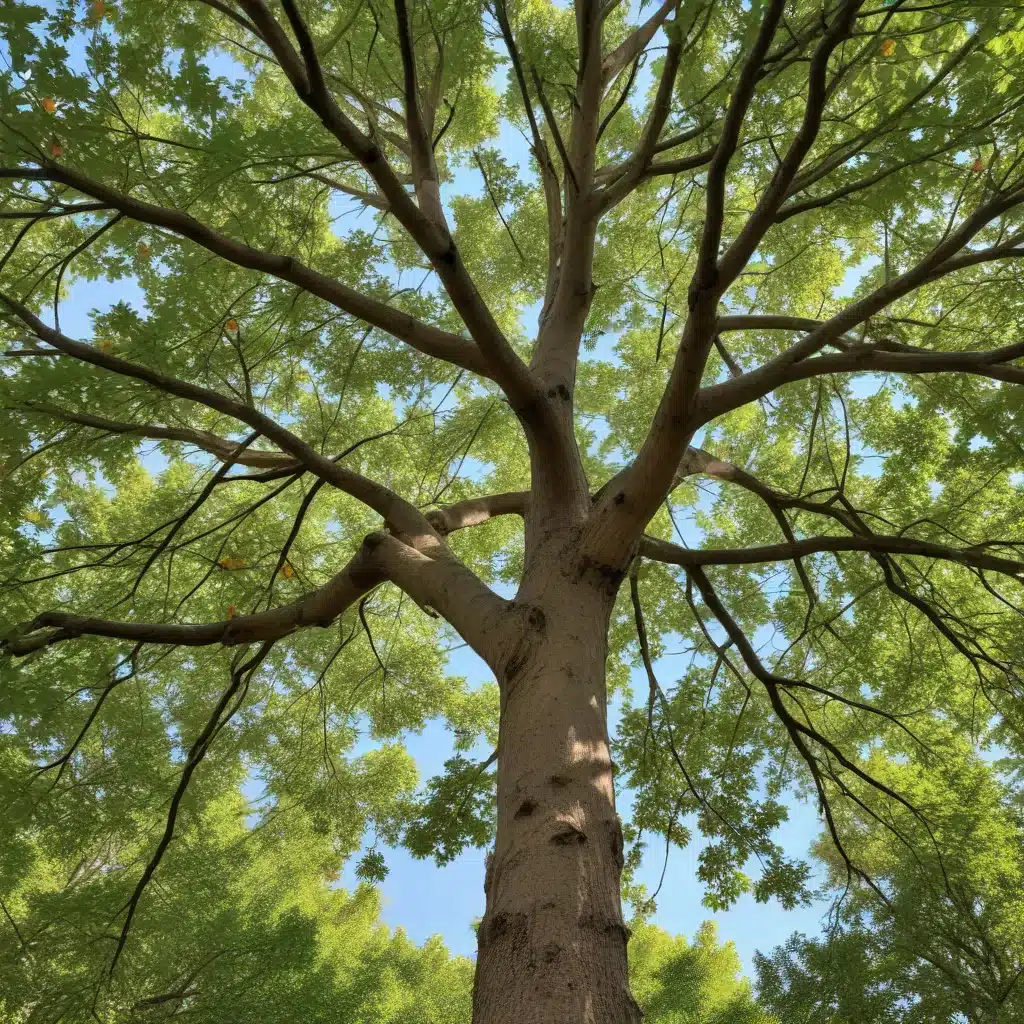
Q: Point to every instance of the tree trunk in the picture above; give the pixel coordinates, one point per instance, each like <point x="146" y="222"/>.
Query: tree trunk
<point x="552" y="943"/>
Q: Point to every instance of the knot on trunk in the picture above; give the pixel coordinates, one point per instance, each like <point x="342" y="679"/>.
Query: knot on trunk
<point x="608" y="577"/>
<point x="605" y="926"/>
<point x="522" y="647"/>
<point x="526" y="808"/>
<point x="372" y="541"/>
<point x="552" y="951"/>
<point x="569" y="835"/>
<point x="512" y="930"/>
<point x="438" y="519"/>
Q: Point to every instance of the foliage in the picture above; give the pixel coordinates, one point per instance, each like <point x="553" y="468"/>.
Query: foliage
<point x="245" y="928"/>
<point x="942" y="936"/>
<point x="677" y="982"/>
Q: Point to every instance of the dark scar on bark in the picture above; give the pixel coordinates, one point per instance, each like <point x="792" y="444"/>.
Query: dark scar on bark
<point x="569" y="836"/>
<point x="526" y="808"/>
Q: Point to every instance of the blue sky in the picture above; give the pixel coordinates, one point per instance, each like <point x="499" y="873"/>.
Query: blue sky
<point x="427" y="900"/>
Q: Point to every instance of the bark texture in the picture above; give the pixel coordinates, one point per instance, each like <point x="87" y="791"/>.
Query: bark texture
<point x="552" y="943"/>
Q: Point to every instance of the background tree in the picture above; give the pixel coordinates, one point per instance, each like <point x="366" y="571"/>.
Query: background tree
<point x="772" y="250"/>
<point x="243" y="928"/>
<point x="676" y="982"/>
<point x="941" y="940"/>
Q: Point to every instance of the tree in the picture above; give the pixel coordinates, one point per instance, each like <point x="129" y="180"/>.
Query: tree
<point x="701" y="181"/>
<point x="245" y="929"/>
<point x="942" y="939"/>
<point x="681" y="983"/>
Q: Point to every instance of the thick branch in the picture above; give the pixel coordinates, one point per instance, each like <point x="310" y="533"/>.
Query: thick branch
<point x="629" y="503"/>
<point x="818" y="91"/>
<point x="944" y="258"/>
<point x="392" y="507"/>
<point x="851" y="147"/>
<point x="976" y="557"/>
<point x="696" y="460"/>
<point x="220" y="447"/>
<point x="768" y="322"/>
<point x="318" y="608"/>
<point x="637" y="166"/>
<point x="635" y="43"/>
<point x="443" y="583"/>
<point x="541" y="153"/>
<point x="474" y="511"/>
<point x="565" y="314"/>
<point x="424" y="167"/>
<point x="705" y="277"/>
<point x="427" y="339"/>
<point x="433" y="239"/>
<point x="721" y="398"/>
<point x="610" y="172"/>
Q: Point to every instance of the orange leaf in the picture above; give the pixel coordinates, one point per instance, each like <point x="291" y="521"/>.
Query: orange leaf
<point x="231" y="325"/>
<point x="888" y="48"/>
<point x="232" y="611"/>
<point x="978" y="166"/>
<point x="49" y="104"/>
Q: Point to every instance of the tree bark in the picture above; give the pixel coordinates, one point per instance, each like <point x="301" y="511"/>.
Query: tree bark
<point x="552" y="943"/>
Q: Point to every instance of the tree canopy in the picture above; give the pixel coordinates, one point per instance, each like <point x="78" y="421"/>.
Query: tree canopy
<point x="714" y="305"/>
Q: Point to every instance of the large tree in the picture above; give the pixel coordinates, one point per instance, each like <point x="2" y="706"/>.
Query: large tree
<point x="756" y="269"/>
